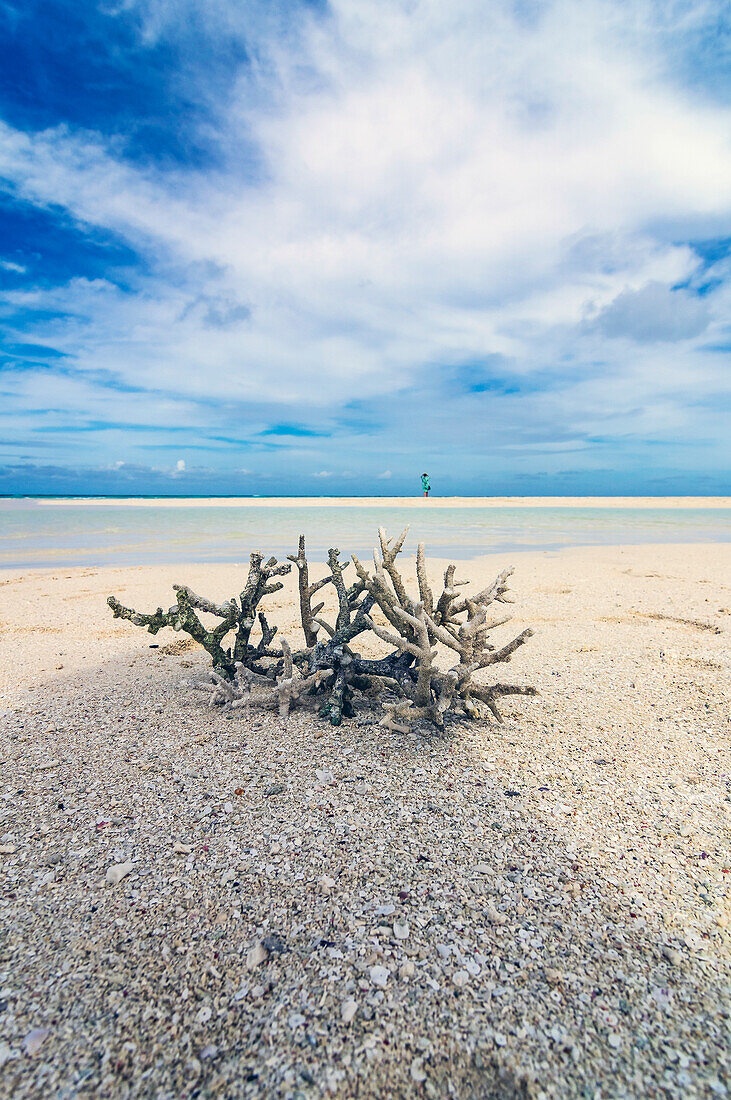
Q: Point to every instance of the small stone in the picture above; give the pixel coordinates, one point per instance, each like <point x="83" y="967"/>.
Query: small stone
<point x="400" y="930"/>
<point x="327" y="883"/>
<point x="204" y="1014"/>
<point x="493" y="916"/>
<point x="348" y="1010"/>
<point x="52" y="859"/>
<point x="416" y="1071"/>
<point x="34" y="1040"/>
<point x="615" y="1040"/>
<point x="692" y="939"/>
<point x="324" y="776"/>
<point x="7" y="849"/>
<point x="499" y="1039"/>
<point x="209" y="1051"/>
<point x="275" y="788"/>
<point x="483" y="868"/>
<point x="460" y="978"/>
<point x="117" y="872"/>
<point x="672" y="955"/>
<point x="182" y="849"/>
<point x="406" y="971"/>
<point x="295" y="1020"/>
<point x="256" y="955"/>
<point x="379" y="975"/>
<point x="553" y="977"/>
<point x="47" y="765"/>
<point x="274" y="945"/>
<point x="361" y="788"/>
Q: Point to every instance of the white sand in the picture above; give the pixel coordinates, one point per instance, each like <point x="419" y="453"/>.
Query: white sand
<point x="564" y="877"/>
<point x="402" y="502"/>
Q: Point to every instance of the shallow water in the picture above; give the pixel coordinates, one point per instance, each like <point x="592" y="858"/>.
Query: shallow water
<point x="45" y="534"/>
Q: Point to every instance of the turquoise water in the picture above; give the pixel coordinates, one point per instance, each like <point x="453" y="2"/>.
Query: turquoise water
<point x="38" y="533"/>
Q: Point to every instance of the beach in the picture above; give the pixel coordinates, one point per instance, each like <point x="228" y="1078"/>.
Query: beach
<point x="396" y="502"/>
<point x="533" y="909"/>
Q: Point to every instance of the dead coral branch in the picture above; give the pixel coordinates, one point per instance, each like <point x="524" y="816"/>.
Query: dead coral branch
<point x="308" y="613"/>
<point x="238" y="617"/>
<point x="460" y="625"/>
<point x="438" y="645"/>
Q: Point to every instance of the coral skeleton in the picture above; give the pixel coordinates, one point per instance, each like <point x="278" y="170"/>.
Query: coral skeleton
<point x="437" y="645"/>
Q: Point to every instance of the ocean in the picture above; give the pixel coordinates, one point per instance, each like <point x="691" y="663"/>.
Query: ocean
<point x="41" y="533"/>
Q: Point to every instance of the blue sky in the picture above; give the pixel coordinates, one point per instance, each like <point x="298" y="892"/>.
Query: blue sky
<point x="250" y="246"/>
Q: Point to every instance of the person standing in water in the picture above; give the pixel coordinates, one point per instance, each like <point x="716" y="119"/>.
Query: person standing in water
<point x="425" y="484"/>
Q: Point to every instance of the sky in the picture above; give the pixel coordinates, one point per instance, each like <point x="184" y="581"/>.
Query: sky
<point x="298" y="246"/>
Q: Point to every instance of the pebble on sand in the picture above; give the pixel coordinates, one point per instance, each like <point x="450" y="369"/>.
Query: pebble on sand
<point x="416" y="1071"/>
<point x="379" y="975"/>
<point x="256" y="955"/>
<point x="117" y="872"/>
<point x="34" y="1040"/>
<point x="348" y="1010"/>
<point x="493" y="916"/>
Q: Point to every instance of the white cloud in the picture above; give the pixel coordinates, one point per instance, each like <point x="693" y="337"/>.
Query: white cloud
<point x="9" y="265"/>
<point x="180" y="465"/>
<point x="385" y="475"/>
<point x="655" y="312"/>
<point x="437" y="183"/>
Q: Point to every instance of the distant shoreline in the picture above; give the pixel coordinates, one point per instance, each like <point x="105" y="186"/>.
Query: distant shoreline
<point x="384" y="502"/>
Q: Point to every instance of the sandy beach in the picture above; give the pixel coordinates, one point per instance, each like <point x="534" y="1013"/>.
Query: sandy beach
<point x="397" y="502"/>
<point x="538" y="909"/>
